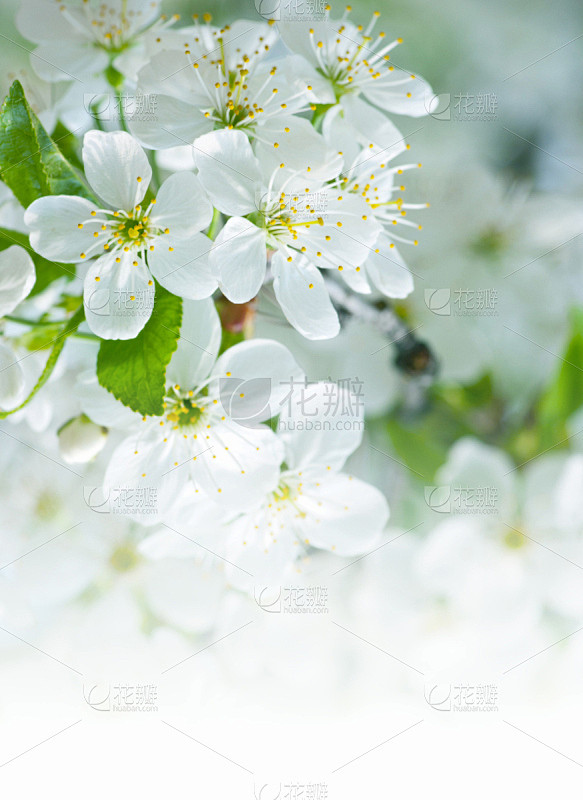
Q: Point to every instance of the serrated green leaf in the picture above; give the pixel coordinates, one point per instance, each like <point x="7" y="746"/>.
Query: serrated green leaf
<point x="134" y="370"/>
<point x="31" y="164"/>
<point x="59" y="342"/>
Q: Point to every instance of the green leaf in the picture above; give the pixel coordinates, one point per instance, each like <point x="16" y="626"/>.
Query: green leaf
<point x="59" y="342"/>
<point x="46" y="271"/>
<point x="134" y="371"/>
<point x="565" y="393"/>
<point x="31" y="164"/>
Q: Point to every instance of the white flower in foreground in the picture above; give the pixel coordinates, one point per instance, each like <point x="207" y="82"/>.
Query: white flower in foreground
<point x="80" y="440"/>
<point x="80" y="40"/>
<point x="17" y="277"/>
<point x="135" y="241"/>
<point x="210" y="433"/>
<point x="307" y="224"/>
<point x="205" y="78"/>
<point x="312" y="504"/>
<point x="352" y="60"/>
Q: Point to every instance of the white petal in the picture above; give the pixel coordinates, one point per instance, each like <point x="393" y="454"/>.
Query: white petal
<point x="145" y="462"/>
<point x="118" y="305"/>
<point x="41" y="22"/>
<point x="239" y="259"/>
<point x="355" y="124"/>
<point x="351" y="232"/>
<point x="301" y="74"/>
<point x="198" y="346"/>
<point x="11" y="378"/>
<point x="343" y="514"/>
<point x="321" y="424"/>
<point x="70" y="59"/>
<point x="301" y="148"/>
<point x="355" y="278"/>
<point x="117" y="168"/>
<point x="182" y="206"/>
<point x="172" y="123"/>
<point x="17" y="277"/>
<point x="229" y="171"/>
<point x="258" y="558"/>
<point x="54" y="224"/>
<point x="302" y="294"/>
<point x="236" y="465"/>
<point x="261" y="370"/>
<point x="413" y="97"/>
<point x="184" y="270"/>
<point x="388" y="271"/>
<point x="100" y="405"/>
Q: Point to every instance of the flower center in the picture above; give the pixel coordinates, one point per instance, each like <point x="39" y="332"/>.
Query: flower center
<point x="124" y="558"/>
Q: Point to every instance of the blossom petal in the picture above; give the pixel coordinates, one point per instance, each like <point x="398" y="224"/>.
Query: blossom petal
<point x="388" y="271"/>
<point x="198" y="346"/>
<point x="173" y="122"/>
<point x="118" y="297"/>
<point x="72" y="58"/>
<point x="302" y="294"/>
<point x="41" y="22"/>
<point x="342" y="513"/>
<point x="145" y="462"/>
<point x="54" y="225"/>
<point x="100" y="405"/>
<point x="254" y="378"/>
<point x="257" y="557"/>
<point x="12" y="381"/>
<point x="17" y="277"/>
<point x="116" y="167"/>
<point x="229" y="171"/>
<point x="397" y="93"/>
<point x="294" y="142"/>
<point x="239" y="259"/>
<point x="237" y="465"/>
<point x="321" y="425"/>
<point x="182" y="265"/>
<point x="182" y="206"/>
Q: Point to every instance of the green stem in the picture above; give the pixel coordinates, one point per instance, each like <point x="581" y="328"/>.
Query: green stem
<point x="215" y="224"/>
<point x="39" y="323"/>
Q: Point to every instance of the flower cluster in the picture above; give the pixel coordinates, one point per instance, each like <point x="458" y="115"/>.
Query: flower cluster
<point x="241" y="165"/>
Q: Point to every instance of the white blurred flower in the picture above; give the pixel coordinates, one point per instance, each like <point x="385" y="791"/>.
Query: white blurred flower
<point x="81" y="41"/>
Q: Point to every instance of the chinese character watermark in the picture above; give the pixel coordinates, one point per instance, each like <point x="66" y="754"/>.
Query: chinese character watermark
<point x="292" y="599"/>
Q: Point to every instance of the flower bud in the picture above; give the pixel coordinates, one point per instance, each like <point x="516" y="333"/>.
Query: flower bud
<point x="80" y="440"/>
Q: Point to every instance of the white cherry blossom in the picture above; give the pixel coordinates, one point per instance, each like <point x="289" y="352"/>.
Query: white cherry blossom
<point x="82" y="40"/>
<point x="211" y="433"/>
<point x="353" y="59"/>
<point x="311" y="505"/>
<point x="135" y="240"/>
<point x="306" y="224"/>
